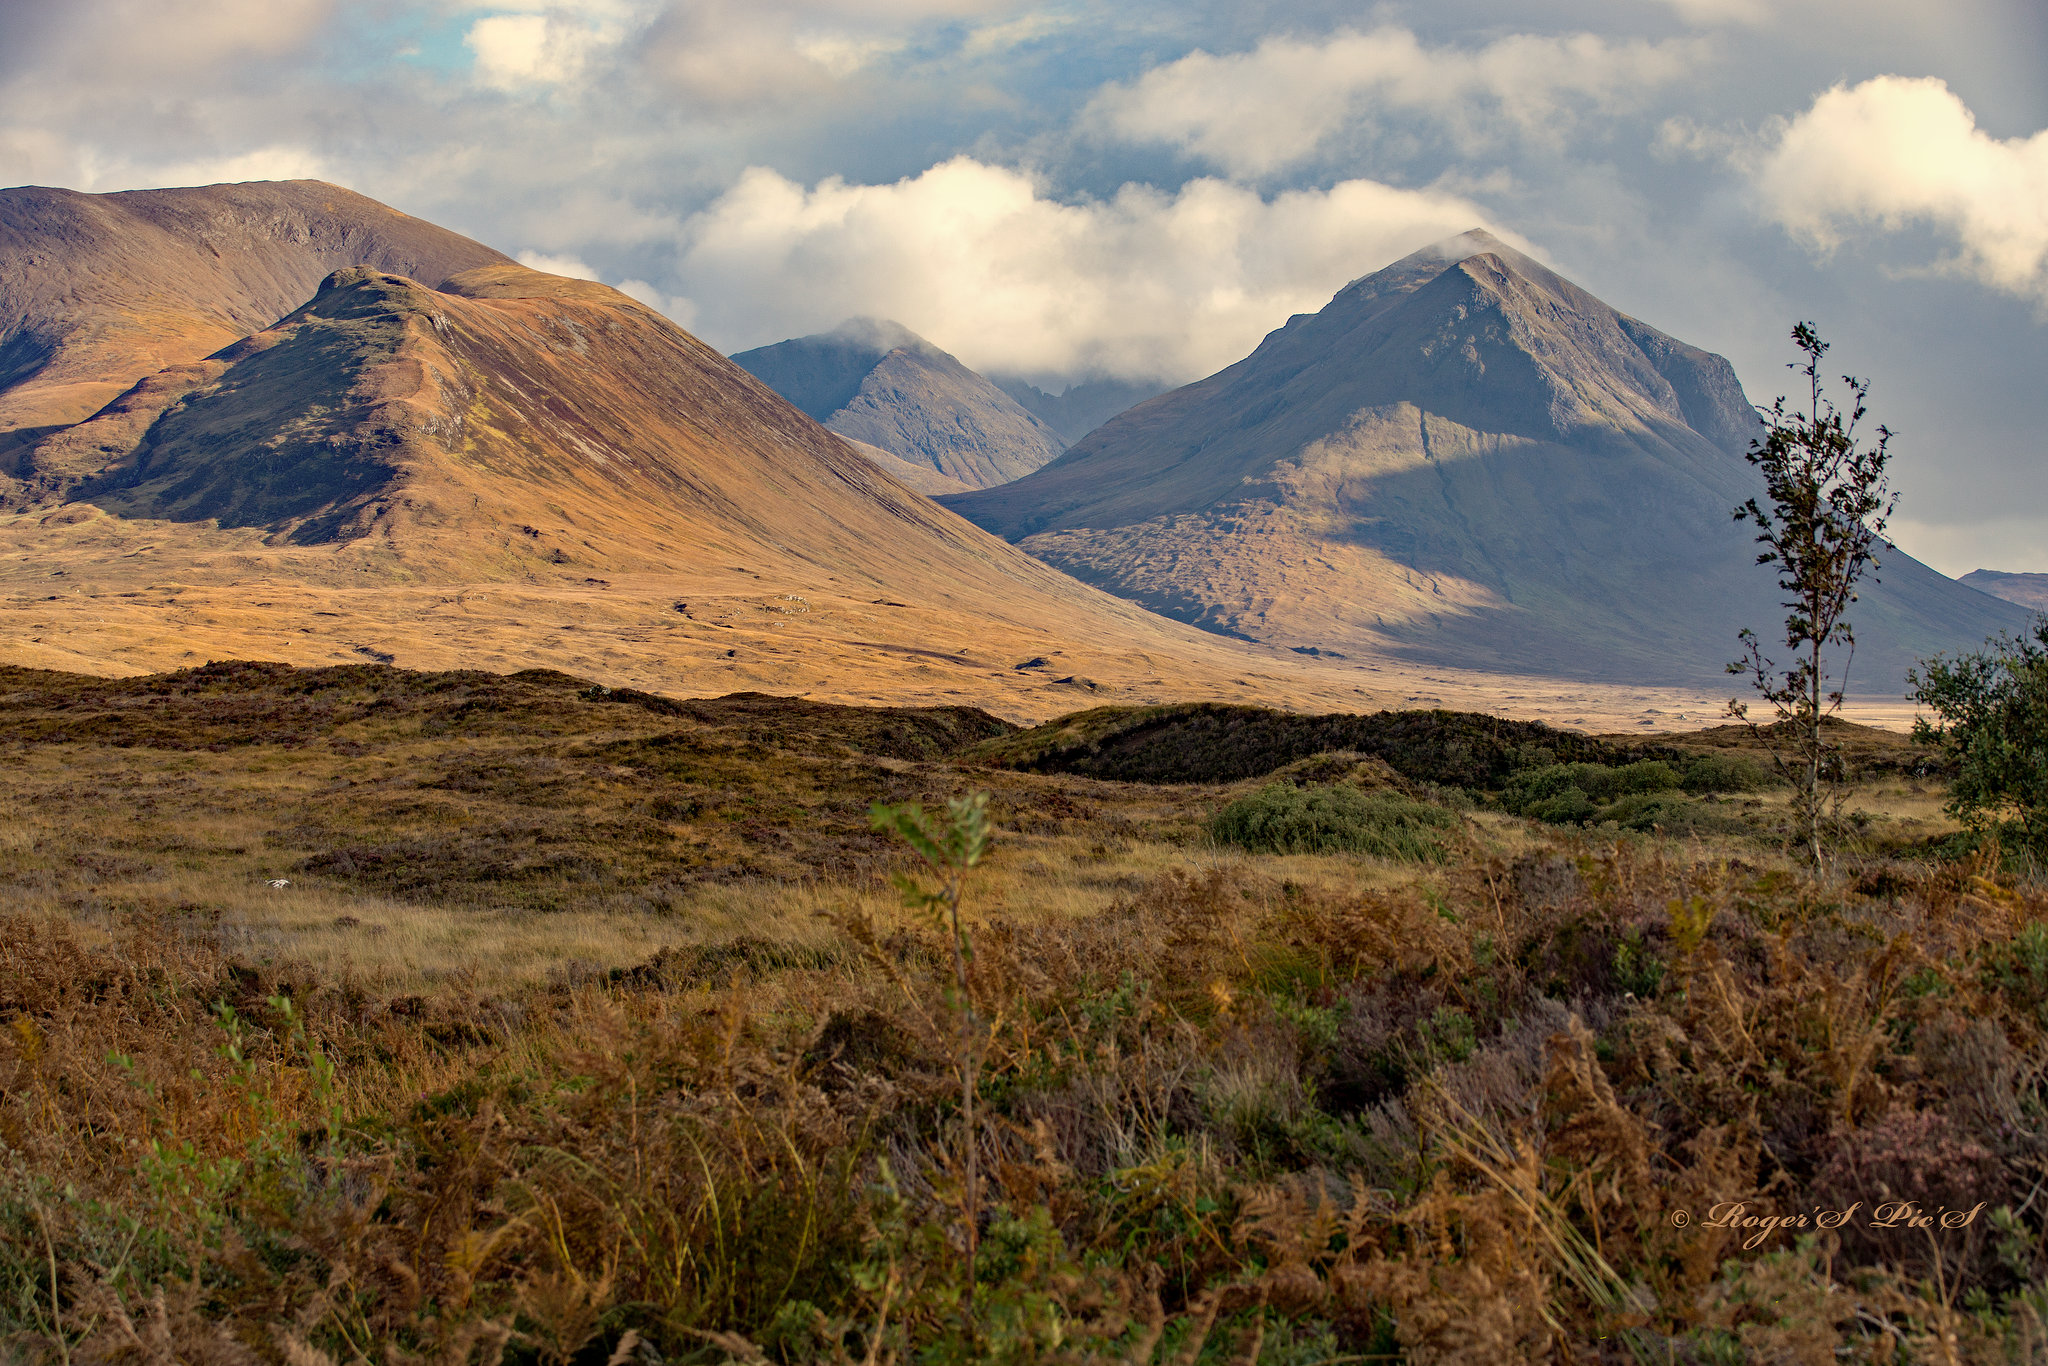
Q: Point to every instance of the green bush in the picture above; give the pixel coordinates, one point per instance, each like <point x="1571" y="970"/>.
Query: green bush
<point x="1283" y="819"/>
<point x="1991" y="711"/>
<point x="1640" y="796"/>
<point x="1724" y="773"/>
<point x="1596" y="783"/>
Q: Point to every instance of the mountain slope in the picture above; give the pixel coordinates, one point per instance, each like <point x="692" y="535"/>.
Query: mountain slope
<point x="881" y="384"/>
<point x="99" y="291"/>
<point x="442" y="422"/>
<point x="1080" y="408"/>
<point x="1466" y="460"/>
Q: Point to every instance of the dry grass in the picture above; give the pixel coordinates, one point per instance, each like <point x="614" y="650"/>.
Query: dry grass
<point x="1281" y="1110"/>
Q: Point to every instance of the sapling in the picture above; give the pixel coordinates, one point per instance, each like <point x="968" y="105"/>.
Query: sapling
<point x="1824" y="515"/>
<point x="951" y="845"/>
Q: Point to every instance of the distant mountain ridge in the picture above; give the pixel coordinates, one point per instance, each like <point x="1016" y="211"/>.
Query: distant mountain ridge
<point x="1463" y="459"/>
<point x="2028" y="590"/>
<point x="1079" y="408"/>
<point x="881" y="384"/>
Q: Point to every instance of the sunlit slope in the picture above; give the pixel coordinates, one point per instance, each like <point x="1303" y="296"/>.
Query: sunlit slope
<point x="1465" y="460"/>
<point x="99" y="291"/>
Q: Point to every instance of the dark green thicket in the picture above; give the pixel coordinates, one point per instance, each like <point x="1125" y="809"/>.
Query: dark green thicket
<point x="1214" y="742"/>
<point x="1647" y="794"/>
<point x="243" y="702"/>
<point x="1283" y="819"/>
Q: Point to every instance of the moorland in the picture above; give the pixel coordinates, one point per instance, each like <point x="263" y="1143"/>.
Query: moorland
<point x="356" y="1014"/>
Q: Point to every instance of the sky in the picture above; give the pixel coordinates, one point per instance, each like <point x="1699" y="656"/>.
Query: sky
<point x="1143" y="189"/>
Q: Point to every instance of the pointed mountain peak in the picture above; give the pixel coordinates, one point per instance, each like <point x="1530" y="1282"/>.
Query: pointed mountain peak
<point x="878" y="336"/>
<point x="1424" y="264"/>
<point x="1471" y="242"/>
<point x="880" y="384"/>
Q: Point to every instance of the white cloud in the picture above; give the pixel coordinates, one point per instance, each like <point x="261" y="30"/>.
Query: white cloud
<point x="264" y="163"/>
<point x="1895" y="151"/>
<point x="520" y="51"/>
<point x="977" y="258"/>
<point x="570" y="266"/>
<point x="1259" y="111"/>
<point x="841" y="54"/>
<point x="991" y="38"/>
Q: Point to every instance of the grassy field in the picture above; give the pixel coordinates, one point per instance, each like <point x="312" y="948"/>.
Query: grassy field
<point x="590" y="1026"/>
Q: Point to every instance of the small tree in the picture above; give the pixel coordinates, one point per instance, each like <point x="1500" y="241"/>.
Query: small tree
<point x="1992" y="710"/>
<point x="951" y="845"/>
<point x="1827" y="508"/>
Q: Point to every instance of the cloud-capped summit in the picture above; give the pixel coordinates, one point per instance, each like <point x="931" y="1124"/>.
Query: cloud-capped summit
<point x="879" y="383"/>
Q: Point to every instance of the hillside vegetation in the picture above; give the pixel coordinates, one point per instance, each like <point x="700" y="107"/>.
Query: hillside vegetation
<point x="587" y="1026"/>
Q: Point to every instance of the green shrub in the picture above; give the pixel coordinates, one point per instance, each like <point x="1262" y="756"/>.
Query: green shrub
<point x="1991" y="718"/>
<point x="1596" y="783"/>
<point x="1569" y="807"/>
<point x="1282" y="819"/>
<point x="1724" y="773"/>
<point x="1645" y="796"/>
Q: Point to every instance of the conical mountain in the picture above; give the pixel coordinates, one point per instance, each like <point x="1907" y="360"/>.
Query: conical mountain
<point x="98" y="291"/>
<point x="1465" y="460"/>
<point x="508" y="469"/>
<point x="881" y="384"/>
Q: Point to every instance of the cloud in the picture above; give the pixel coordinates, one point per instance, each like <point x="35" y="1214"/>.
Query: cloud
<point x="533" y="50"/>
<point x="1260" y="111"/>
<point x="2012" y="544"/>
<point x="980" y="260"/>
<point x="729" y="54"/>
<point x="570" y="266"/>
<point x="96" y="38"/>
<point x="1703" y="13"/>
<point x="993" y="38"/>
<point x="1896" y="151"/>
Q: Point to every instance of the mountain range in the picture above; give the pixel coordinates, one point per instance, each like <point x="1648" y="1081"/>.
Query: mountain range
<point x="1463" y="459"/>
<point x="947" y="428"/>
<point x="283" y="421"/>
<point x="472" y="464"/>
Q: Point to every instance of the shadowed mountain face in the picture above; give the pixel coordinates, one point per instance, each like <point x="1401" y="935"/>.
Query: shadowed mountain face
<point x="1080" y="408"/>
<point x="99" y="291"/>
<point x="1469" y="461"/>
<point x="883" y="385"/>
<point x="2028" y="590"/>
